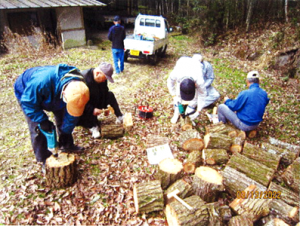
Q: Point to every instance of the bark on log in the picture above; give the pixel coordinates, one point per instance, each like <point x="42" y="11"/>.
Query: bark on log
<point x="222" y="129"/>
<point x="186" y="123"/>
<point x="254" y="152"/>
<point x="185" y="190"/>
<point x="127" y="121"/>
<point x="284" y="145"/>
<point x="214" y="156"/>
<point x="61" y="171"/>
<point x="112" y="131"/>
<point x="237" y="145"/>
<point x="286" y="195"/>
<point x="276" y="222"/>
<point x="287" y="157"/>
<point x="177" y="214"/>
<point x="235" y="181"/>
<point x="251" y="134"/>
<point x="291" y="176"/>
<point x="284" y="211"/>
<point x="207" y="183"/>
<point x="192" y="162"/>
<point x="251" y="206"/>
<point x="240" y="221"/>
<point x="253" y="169"/>
<point x="242" y="134"/>
<point x="154" y="140"/>
<point x="148" y="197"/>
<point x="169" y="170"/>
<point x="218" y="215"/>
<point x="217" y="141"/>
<point x="190" y="140"/>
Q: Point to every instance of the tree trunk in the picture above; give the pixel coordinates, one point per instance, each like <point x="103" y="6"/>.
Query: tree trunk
<point x="207" y="183"/>
<point x="287" y="157"/>
<point x="112" y="131"/>
<point x="192" y="162"/>
<point x="186" y="123"/>
<point x="249" y="14"/>
<point x="291" y="175"/>
<point x="240" y="221"/>
<point x="235" y="181"/>
<point x="190" y="140"/>
<point x="61" y="171"/>
<point x="251" y="205"/>
<point x="286" y="11"/>
<point x="237" y="145"/>
<point x="284" y="145"/>
<point x="169" y="170"/>
<point x="177" y="214"/>
<point x="286" y="212"/>
<point x="255" y="170"/>
<point x="154" y="140"/>
<point x="214" y="156"/>
<point x="217" y="141"/>
<point x="185" y="189"/>
<point x="148" y="197"/>
<point x="268" y="159"/>
<point x="286" y="195"/>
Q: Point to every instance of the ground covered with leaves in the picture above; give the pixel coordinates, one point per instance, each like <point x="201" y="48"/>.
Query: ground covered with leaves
<point x="108" y="168"/>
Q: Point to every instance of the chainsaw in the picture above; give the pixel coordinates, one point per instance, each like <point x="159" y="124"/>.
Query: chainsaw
<point x="51" y="138"/>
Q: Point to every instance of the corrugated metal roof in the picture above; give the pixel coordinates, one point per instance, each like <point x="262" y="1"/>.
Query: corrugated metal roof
<point x="17" y="4"/>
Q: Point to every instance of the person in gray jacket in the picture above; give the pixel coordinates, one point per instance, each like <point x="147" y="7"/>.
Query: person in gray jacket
<point x="208" y="75"/>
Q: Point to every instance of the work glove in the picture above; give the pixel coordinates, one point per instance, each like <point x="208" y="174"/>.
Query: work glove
<point x="189" y="111"/>
<point x="194" y="116"/>
<point x="47" y="126"/>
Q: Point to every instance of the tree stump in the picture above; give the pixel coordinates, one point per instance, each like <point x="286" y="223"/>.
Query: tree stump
<point x="112" y="131"/>
<point x="61" y="171"/>
<point x="287" y="157"/>
<point x="291" y="175"/>
<point x="286" y="195"/>
<point x="186" y="123"/>
<point x="192" y="162"/>
<point x="177" y="214"/>
<point x="190" y="140"/>
<point x="154" y="140"/>
<point x="237" y="145"/>
<point x="214" y="156"/>
<point x="240" y="221"/>
<point x="286" y="212"/>
<point x="251" y="205"/>
<point x="169" y="170"/>
<point x="255" y="170"/>
<point x="284" y="145"/>
<point x="268" y="159"/>
<point x="207" y="183"/>
<point x="184" y="188"/>
<point x="217" y="141"/>
<point x="148" y="197"/>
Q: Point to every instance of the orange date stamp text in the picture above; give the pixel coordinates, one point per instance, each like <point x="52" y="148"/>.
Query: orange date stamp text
<point x="258" y="194"/>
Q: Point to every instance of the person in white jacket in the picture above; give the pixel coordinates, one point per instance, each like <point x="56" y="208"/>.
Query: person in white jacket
<point x="186" y="85"/>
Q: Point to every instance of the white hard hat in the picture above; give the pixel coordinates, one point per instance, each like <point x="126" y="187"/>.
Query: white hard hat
<point x="253" y="74"/>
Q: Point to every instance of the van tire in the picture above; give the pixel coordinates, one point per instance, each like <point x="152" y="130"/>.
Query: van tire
<point x="126" y="56"/>
<point x="163" y="52"/>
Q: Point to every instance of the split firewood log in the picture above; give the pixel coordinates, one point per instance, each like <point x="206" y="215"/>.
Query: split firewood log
<point x="287" y="157"/>
<point x="148" y="197"/>
<point x="186" y="123"/>
<point x="169" y="170"/>
<point x="217" y="141"/>
<point x="240" y="221"/>
<point x="288" y="196"/>
<point x="192" y="162"/>
<point x="154" y="140"/>
<point x="237" y="145"/>
<point x="253" y="169"/>
<point x="177" y="214"/>
<point x="190" y="140"/>
<point x="214" y="156"/>
<point x="284" y="211"/>
<point x="254" y="152"/>
<point x="291" y="176"/>
<point x="250" y="204"/>
<point x="112" y="131"/>
<point x="207" y="183"/>
<point x="276" y="222"/>
<point x="235" y="181"/>
<point x="284" y="145"/>
<point x="61" y="171"/>
<point x="218" y="215"/>
<point x="184" y="188"/>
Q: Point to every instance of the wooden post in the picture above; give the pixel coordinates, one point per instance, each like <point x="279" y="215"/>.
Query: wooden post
<point x="291" y="175"/>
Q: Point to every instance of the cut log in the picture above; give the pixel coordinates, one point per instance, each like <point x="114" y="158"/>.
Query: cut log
<point x="240" y="221"/>
<point x="218" y="215"/>
<point x="214" y="156"/>
<point x="235" y="181"/>
<point x="186" y="123"/>
<point x="190" y="140"/>
<point x="285" y="194"/>
<point x="252" y="205"/>
<point x="287" y="157"/>
<point x="284" y="211"/>
<point x="251" y="134"/>
<point x="61" y="171"/>
<point x="217" y="141"/>
<point x="127" y="121"/>
<point x="154" y="140"/>
<point x="242" y="134"/>
<point x="148" y="197"/>
<point x="192" y="162"/>
<point x="253" y="169"/>
<point x="169" y="170"/>
<point x="184" y="188"/>
<point x="177" y="214"/>
<point x="237" y="145"/>
<point x="276" y="222"/>
<point x="291" y="176"/>
<point x="254" y="152"/>
<point x="112" y="131"/>
<point x="284" y="145"/>
<point x="221" y="128"/>
<point x="207" y="183"/>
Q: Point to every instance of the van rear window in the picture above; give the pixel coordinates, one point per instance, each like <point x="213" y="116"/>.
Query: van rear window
<point x="150" y="22"/>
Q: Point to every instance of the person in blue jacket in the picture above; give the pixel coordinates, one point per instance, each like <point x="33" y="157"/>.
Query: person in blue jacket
<point x="249" y="106"/>
<point x="59" y="89"/>
<point x="116" y="35"/>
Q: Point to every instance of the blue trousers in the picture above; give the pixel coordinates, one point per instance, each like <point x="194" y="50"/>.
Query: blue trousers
<point x="118" y="55"/>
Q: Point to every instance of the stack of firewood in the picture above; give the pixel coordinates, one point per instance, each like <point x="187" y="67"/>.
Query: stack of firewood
<point x="225" y="180"/>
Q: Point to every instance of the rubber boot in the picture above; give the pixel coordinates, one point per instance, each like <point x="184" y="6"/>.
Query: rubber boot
<point x="175" y="116"/>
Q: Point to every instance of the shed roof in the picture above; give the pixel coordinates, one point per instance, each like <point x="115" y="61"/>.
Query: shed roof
<point x="18" y="4"/>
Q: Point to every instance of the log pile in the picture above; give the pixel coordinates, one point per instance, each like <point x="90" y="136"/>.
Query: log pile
<point x="244" y="174"/>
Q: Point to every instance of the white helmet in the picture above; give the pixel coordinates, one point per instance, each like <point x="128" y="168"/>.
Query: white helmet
<point x="253" y="74"/>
